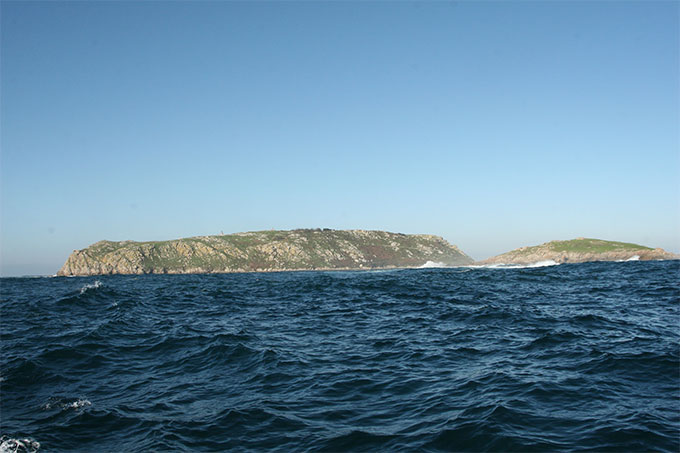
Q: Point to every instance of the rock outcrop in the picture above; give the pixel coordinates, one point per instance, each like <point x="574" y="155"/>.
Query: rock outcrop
<point x="306" y="249"/>
<point x="580" y="250"/>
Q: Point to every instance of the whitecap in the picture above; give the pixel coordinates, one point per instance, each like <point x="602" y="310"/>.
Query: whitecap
<point x="9" y="445"/>
<point x="78" y="404"/>
<point x="61" y="403"/>
<point x="632" y="258"/>
<point x="95" y="285"/>
<point x="432" y="264"/>
<point x="545" y="263"/>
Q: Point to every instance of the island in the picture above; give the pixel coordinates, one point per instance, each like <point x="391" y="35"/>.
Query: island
<point x="262" y="251"/>
<point x="580" y="250"/>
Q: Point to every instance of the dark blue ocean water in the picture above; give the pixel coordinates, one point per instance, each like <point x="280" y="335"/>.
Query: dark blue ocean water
<point x="575" y="356"/>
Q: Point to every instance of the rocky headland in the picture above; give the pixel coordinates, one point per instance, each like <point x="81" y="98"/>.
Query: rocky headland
<point x="580" y="250"/>
<point x="305" y="249"/>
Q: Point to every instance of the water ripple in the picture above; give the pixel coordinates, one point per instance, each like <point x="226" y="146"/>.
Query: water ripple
<point x="558" y="358"/>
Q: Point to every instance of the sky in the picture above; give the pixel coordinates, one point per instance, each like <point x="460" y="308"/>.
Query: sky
<point x="493" y="124"/>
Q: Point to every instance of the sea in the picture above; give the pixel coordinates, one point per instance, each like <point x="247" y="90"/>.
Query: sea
<point x="546" y="358"/>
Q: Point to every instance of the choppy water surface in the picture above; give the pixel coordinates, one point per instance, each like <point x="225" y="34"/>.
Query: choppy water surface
<point x="576" y="356"/>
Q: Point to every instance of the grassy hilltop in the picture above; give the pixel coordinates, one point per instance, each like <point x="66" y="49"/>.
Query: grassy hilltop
<point x="264" y="251"/>
<point x="578" y="251"/>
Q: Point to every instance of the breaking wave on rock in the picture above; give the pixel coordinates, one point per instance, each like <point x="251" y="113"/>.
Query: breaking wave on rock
<point x="632" y="258"/>
<point x="545" y="263"/>
<point x="433" y="265"/>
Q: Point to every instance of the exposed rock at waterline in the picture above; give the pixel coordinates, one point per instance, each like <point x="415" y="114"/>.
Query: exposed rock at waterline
<point x="306" y="249"/>
<point x="580" y="250"/>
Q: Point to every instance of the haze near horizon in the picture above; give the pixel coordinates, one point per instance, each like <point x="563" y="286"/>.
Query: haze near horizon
<point x="494" y="125"/>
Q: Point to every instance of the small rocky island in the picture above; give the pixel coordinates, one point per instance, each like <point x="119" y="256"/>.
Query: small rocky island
<point x="305" y="249"/>
<point x="580" y="250"/>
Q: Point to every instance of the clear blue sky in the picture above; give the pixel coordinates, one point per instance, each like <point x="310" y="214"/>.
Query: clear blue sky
<point x="493" y="124"/>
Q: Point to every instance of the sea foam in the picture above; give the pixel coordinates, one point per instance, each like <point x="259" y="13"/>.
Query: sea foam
<point x="632" y="258"/>
<point x="9" y="445"/>
<point x="545" y="263"/>
<point x="66" y="404"/>
<point x="91" y="286"/>
<point x="432" y="264"/>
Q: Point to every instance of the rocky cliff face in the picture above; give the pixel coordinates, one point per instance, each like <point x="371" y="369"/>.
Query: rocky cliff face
<point x="264" y="251"/>
<point x="580" y="250"/>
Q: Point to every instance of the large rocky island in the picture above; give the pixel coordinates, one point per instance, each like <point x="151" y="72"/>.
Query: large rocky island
<point x="580" y="250"/>
<point x="305" y="249"/>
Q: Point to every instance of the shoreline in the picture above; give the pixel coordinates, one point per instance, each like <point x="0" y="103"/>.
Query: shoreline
<point x="256" y="271"/>
<point x="476" y="265"/>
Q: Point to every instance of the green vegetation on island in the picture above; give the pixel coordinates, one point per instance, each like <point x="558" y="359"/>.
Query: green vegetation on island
<point x="580" y="250"/>
<point x="585" y="245"/>
<point x="303" y="249"/>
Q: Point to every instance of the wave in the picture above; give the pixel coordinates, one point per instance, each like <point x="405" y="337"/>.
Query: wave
<point x="432" y="264"/>
<point x="66" y="404"/>
<point x="9" y="445"/>
<point x="632" y="258"/>
<point x="410" y="359"/>
<point x="91" y="286"/>
<point x="78" y="404"/>
<point x="545" y="263"/>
